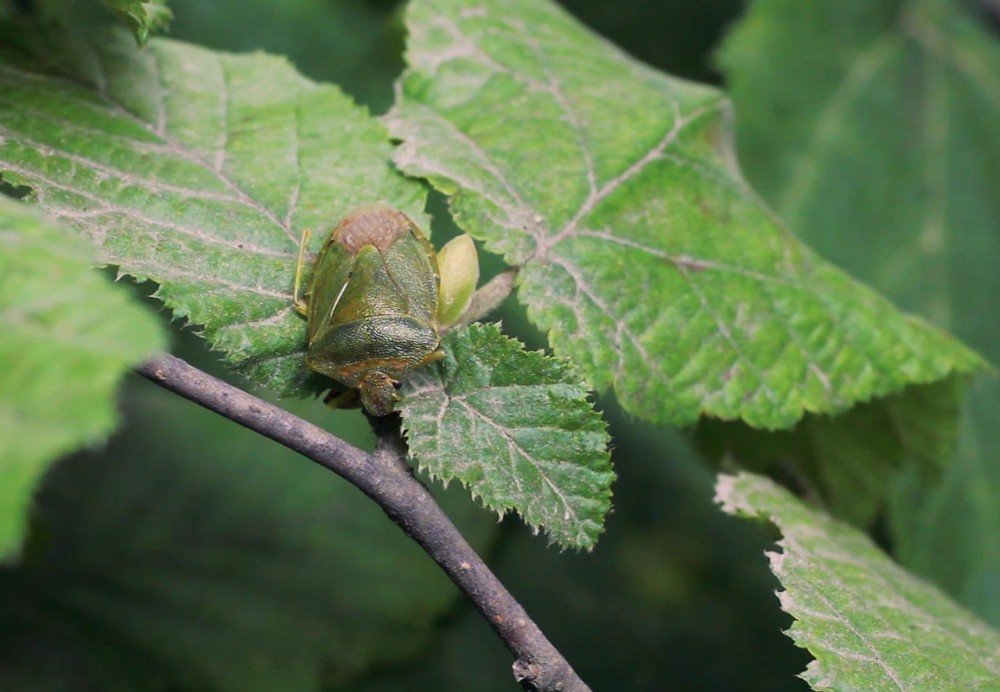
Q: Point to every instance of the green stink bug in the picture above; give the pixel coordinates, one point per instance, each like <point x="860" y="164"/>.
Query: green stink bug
<point x="373" y="305"/>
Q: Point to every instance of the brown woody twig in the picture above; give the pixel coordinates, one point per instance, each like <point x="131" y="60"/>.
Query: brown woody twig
<point x="386" y="478"/>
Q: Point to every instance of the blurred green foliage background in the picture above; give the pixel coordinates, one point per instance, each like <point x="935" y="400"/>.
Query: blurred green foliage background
<point x="189" y="553"/>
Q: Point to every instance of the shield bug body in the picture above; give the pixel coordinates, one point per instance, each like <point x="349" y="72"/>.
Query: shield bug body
<point x="372" y="305"/>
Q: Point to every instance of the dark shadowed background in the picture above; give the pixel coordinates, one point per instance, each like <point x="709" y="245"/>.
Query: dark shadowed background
<point x="191" y="554"/>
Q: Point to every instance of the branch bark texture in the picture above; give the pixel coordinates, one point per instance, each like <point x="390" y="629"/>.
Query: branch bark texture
<point x="386" y="478"/>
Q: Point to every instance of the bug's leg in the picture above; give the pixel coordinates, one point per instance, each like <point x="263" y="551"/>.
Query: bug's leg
<point x="434" y="356"/>
<point x="300" y="303"/>
<point x="378" y="393"/>
<point x="345" y="399"/>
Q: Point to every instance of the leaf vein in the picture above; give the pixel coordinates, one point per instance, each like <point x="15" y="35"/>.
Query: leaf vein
<point x="518" y="450"/>
<point x="104" y="208"/>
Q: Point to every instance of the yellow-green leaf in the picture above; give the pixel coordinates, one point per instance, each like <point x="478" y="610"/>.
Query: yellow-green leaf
<point x="69" y="336"/>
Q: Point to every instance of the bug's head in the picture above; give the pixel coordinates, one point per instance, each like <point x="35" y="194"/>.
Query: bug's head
<point x="375" y="224"/>
<point x="378" y="393"/>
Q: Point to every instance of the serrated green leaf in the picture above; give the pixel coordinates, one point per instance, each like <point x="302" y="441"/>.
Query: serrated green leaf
<point x="878" y="144"/>
<point x="142" y="17"/>
<point x="68" y="339"/>
<point x="869" y="623"/>
<point x="516" y="428"/>
<point x="650" y="263"/>
<point x="193" y="554"/>
<point x="198" y="170"/>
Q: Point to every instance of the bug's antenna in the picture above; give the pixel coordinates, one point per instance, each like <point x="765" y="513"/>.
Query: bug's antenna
<point x="300" y="305"/>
